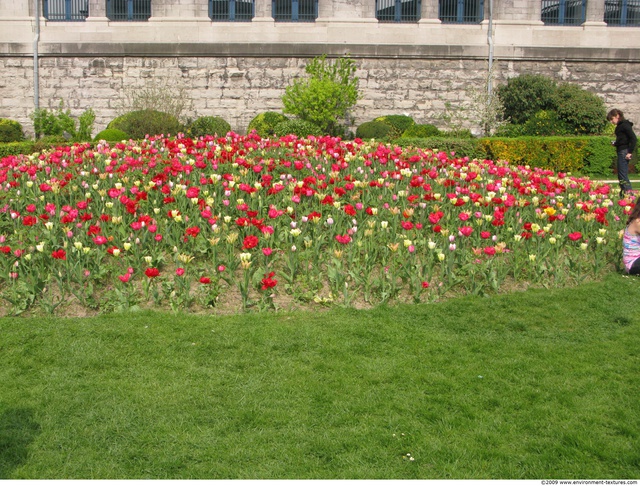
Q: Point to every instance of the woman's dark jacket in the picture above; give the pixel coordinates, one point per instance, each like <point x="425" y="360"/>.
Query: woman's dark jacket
<point x="625" y="138"/>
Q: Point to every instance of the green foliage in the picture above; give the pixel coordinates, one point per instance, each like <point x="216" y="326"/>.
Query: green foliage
<point x="583" y="111"/>
<point x="545" y="123"/>
<point x="85" y="125"/>
<point x="421" y="131"/>
<point x="599" y="157"/>
<point x="10" y="131"/>
<point x="139" y="124"/>
<point x="326" y="97"/>
<point x="111" y="135"/>
<point x="264" y="123"/>
<point x="374" y="129"/>
<point x="60" y="123"/>
<point x="456" y="133"/>
<point x="588" y="155"/>
<point x="523" y="96"/>
<point x="510" y="130"/>
<point x="16" y="148"/>
<point x="298" y="127"/>
<point x="460" y="147"/>
<point x="209" y="125"/>
<point x="399" y="123"/>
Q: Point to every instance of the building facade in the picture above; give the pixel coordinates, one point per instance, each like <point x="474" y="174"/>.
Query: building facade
<point x="234" y="58"/>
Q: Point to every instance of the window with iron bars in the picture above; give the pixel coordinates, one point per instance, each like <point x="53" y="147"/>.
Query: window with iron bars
<point x="622" y="12"/>
<point x="231" y="10"/>
<point x="461" y="11"/>
<point x="295" y="10"/>
<point x="564" y="12"/>
<point x="398" y="10"/>
<point x="65" y="10"/>
<point x="128" y="10"/>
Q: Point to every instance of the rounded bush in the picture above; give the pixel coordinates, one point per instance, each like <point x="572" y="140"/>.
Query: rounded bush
<point x="545" y="123"/>
<point x="421" y="131"/>
<point x="10" y="131"/>
<point x="297" y="127"/>
<point x="524" y="96"/>
<point x="265" y="123"/>
<point x="374" y="129"/>
<point x="399" y="123"/>
<point x="209" y="125"/>
<point x="583" y="111"/>
<point x="111" y="135"/>
<point x="139" y="124"/>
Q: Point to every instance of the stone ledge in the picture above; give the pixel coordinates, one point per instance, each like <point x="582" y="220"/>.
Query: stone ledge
<point x="399" y="51"/>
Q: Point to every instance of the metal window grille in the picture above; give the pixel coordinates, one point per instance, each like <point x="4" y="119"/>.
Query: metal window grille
<point x="128" y="10"/>
<point x="231" y="10"/>
<point x="398" y="10"/>
<point x="622" y="12"/>
<point x="66" y="10"/>
<point x="461" y="11"/>
<point x="295" y="10"/>
<point x="564" y="12"/>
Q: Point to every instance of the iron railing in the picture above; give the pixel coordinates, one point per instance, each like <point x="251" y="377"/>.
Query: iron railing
<point x="65" y="10"/>
<point x="295" y="10"/>
<point x="622" y="12"/>
<point x="398" y="10"/>
<point x="128" y="10"/>
<point x="461" y="11"/>
<point x="564" y="12"/>
<point x="231" y="10"/>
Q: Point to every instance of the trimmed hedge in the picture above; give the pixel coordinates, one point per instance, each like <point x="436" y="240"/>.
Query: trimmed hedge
<point x="111" y="135"/>
<point x="139" y="124"/>
<point x="209" y="125"/>
<point x="374" y="129"/>
<point x="10" y="131"/>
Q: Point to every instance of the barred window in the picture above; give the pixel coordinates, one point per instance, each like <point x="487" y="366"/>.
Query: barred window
<point x="461" y="11"/>
<point x="622" y="12"/>
<point x="128" y="10"/>
<point x="66" y="10"/>
<point x="295" y="10"/>
<point x="231" y="10"/>
<point x="564" y="12"/>
<point x="398" y="10"/>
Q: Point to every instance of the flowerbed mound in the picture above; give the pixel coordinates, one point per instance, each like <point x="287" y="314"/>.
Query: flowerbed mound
<point x="240" y="222"/>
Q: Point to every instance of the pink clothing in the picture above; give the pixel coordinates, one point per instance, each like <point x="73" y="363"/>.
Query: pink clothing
<point x="630" y="248"/>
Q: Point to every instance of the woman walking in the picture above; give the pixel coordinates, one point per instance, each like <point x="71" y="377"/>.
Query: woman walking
<point x="625" y="144"/>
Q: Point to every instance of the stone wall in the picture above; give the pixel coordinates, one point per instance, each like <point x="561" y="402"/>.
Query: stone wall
<point x="239" y="88"/>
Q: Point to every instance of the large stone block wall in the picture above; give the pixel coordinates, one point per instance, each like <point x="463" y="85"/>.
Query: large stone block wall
<point x="238" y="88"/>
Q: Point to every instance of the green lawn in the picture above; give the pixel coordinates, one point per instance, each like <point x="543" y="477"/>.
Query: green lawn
<point x="536" y="384"/>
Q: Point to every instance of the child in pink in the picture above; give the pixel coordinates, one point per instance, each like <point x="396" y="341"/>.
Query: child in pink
<point x="631" y="241"/>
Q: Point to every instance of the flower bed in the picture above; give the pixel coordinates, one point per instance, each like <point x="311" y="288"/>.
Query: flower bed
<point x="256" y="223"/>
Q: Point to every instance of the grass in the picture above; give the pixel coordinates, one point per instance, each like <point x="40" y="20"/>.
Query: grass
<point x="536" y="384"/>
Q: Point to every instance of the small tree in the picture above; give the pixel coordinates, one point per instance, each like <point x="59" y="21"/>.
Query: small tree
<point x="525" y="95"/>
<point x="326" y="97"/>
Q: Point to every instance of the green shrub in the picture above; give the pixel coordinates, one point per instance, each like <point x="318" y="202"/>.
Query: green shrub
<point x="16" y="148"/>
<point x="111" y="135"/>
<point x="600" y="157"/>
<point x="524" y="96"/>
<point x="264" y="123"/>
<point x="509" y="130"/>
<point x="457" y="133"/>
<point x="374" y="129"/>
<point x="209" y="125"/>
<point x="326" y="97"/>
<point x="10" y="131"/>
<point x="418" y="130"/>
<point x="59" y="123"/>
<point x="139" y="124"/>
<point x="583" y="111"/>
<point x="545" y="123"/>
<point x="300" y="128"/>
<point x="399" y="123"/>
<point x="460" y="147"/>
